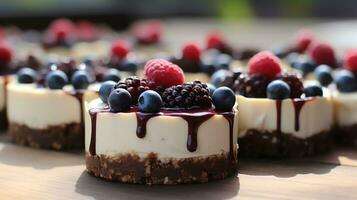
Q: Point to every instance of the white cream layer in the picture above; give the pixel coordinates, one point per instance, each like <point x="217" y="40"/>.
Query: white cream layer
<point x="315" y="116"/>
<point x="345" y="105"/>
<point x="166" y="135"/>
<point x="2" y="93"/>
<point x="39" y="108"/>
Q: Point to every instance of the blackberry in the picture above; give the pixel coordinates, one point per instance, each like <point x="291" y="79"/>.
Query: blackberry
<point x="252" y="86"/>
<point x="188" y="95"/>
<point x="295" y="83"/>
<point x="229" y="80"/>
<point x="134" y="86"/>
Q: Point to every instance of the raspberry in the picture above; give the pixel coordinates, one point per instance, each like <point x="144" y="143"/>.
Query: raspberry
<point x="350" y="60"/>
<point x="303" y="39"/>
<point x="295" y="83"/>
<point x="120" y="49"/>
<point x="191" y="52"/>
<point x="264" y="63"/>
<point x="134" y="86"/>
<point x="62" y="29"/>
<point x="322" y="53"/>
<point x="216" y="41"/>
<point x="163" y="73"/>
<point x="188" y="95"/>
<point x="254" y="86"/>
<point x="148" y="32"/>
<point x="5" y="53"/>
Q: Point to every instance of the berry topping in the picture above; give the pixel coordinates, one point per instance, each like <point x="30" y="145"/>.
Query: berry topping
<point x="322" y="53"/>
<point x="163" y="73"/>
<point x="346" y="82"/>
<point x="150" y="102"/>
<point x="62" y="29"/>
<point x="26" y="75"/>
<point x="211" y="88"/>
<point x="215" y="41"/>
<point x="129" y="65"/>
<point x="220" y="76"/>
<point x="323" y="75"/>
<point x="120" y="49"/>
<point x="264" y="63"/>
<point x="295" y="84"/>
<point x="112" y="75"/>
<point x="278" y="89"/>
<point x="224" y="99"/>
<point x="188" y="95"/>
<point x="313" y="91"/>
<point x="80" y="80"/>
<point x="304" y="64"/>
<point x="251" y="86"/>
<point x="148" y="32"/>
<point x="303" y="39"/>
<point x="134" y="86"/>
<point x="119" y="100"/>
<point x="5" y="53"/>
<point x="56" y="80"/>
<point x="105" y="89"/>
<point x="350" y="60"/>
<point x="86" y="31"/>
<point x="191" y="52"/>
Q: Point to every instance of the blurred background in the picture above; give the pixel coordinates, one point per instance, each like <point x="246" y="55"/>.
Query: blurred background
<point x="120" y="13"/>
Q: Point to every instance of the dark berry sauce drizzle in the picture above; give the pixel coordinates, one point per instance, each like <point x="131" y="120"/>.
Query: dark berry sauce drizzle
<point x="193" y="119"/>
<point x="79" y="96"/>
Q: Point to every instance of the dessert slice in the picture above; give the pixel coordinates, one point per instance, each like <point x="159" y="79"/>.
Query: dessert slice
<point x="278" y="116"/>
<point x="45" y="111"/>
<point x="161" y="130"/>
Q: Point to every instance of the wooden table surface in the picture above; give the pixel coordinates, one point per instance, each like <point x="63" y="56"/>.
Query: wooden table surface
<point x="27" y="173"/>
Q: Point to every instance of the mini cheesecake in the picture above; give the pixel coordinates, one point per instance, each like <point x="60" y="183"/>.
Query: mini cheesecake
<point x="178" y="134"/>
<point x="44" y="118"/>
<point x="3" y="119"/>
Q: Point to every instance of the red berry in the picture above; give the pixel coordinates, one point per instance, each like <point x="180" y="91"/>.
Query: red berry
<point x="322" y="53"/>
<point x="163" y="73"/>
<point x="191" y="52"/>
<point x="148" y="32"/>
<point x="62" y="29"/>
<point x="120" y="49"/>
<point x="350" y="60"/>
<point x="5" y="53"/>
<point x="215" y="41"/>
<point x="264" y="63"/>
<point x="303" y="39"/>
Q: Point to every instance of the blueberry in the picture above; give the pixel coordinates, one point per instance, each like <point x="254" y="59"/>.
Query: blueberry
<point x="211" y="88"/>
<point x="313" y="91"/>
<point x="346" y="82"/>
<point x="223" y="61"/>
<point x="305" y="64"/>
<point x="219" y="76"/>
<point x="88" y="60"/>
<point x="80" y="80"/>
<point x="291" y="58"/>
<point x="129" y="65"/>
<point x="223" y="99"/>
<point x="207" y="65"/>
<point x="280" y="51"/>
<point x="278" y="89"/>
<point x="26" y="75"/>
<point x="119" y="100"/>
<point x="112" y="75"/>
<point x="105" y="89"/>
<point x="56" y="80"/>
<point x="150" y="102"/>
<point x="323" y="74"/>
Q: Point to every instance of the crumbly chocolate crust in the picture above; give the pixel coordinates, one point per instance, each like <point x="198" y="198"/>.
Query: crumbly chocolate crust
<point x="3" y="120"/>
<point x="346" y="135"/>
<point x="274" y="144"/>
<point x="130" y="168"/>
<point x="62" y="137"/>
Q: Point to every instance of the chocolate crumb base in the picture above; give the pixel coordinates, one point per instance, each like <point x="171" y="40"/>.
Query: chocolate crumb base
<point x="274" y="144"/>
<point x="346" y="135"/>
<point x="62" y="137"/>
<point x="3" y="120"/>
<point x="130" y="168"/>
